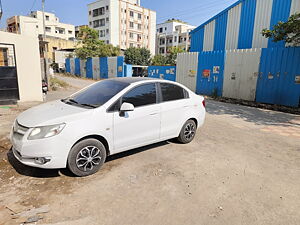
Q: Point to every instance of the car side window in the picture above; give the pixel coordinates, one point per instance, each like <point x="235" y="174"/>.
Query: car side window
<point x="141" y="96"/>
<point x="171" y="92"/>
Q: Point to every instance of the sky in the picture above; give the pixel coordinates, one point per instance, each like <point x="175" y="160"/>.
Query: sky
<point x="75" y="12"/>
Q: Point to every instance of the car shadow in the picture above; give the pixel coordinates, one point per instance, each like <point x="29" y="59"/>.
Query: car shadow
<point x="252" y="114"/>
<point x="48" y="173"/>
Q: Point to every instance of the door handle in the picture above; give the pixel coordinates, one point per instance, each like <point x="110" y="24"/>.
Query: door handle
<point x="153" y="114"/>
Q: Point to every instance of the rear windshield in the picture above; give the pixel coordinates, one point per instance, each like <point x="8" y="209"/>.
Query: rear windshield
<point x="99" y="93"/>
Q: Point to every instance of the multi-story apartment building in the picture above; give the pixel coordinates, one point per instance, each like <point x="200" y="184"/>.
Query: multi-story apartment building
<point x="172" y="33"/>
<point x="123" y="23"/>
<point x="33" y="25"/>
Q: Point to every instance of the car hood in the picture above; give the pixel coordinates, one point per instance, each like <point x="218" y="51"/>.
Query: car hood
<point x="51" y="113"/>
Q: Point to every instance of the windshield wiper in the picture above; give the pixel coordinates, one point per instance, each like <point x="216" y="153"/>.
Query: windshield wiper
<point x="89" y="105"/>
<point x="72" y="101"/>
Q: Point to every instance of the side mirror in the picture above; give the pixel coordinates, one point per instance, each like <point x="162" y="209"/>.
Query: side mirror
<point x="126" y="107"/>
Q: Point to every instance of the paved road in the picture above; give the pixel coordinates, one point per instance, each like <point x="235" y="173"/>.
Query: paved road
<point x="242" y="168"/>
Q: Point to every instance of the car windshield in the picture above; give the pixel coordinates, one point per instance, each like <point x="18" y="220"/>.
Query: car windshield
<point x="97" y="94"/>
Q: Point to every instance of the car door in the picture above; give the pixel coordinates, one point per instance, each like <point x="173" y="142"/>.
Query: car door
<point x="174" y="108"/>
<point x="141" y="126"/>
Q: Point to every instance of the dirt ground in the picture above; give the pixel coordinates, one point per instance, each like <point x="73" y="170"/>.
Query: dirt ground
<point x="242" y="168"/>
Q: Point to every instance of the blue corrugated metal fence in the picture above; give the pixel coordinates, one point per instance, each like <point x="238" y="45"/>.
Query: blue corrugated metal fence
<point x="163" y="72"/>
<point x="94" y="71"/>
<point x="210" y="73"/>
<point x="277" y="81"/>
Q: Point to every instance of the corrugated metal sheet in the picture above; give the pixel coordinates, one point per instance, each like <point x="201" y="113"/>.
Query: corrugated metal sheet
<point x="163" y="72"/>
<point x="82" y="67"/>
<point x="214" y="63"/>
<point x="280" y="12"/>
<point x="103" y="68"/>
<point x="197" y="39"/>
<point x="279" y="69"/>
<point x="68" y="66"/>
<point x="262" y="20"/>
<point x="89" y="68"/>
<point x="96" y="68"/>
<point x="72" y="65"/>
<point x="209" y="36"/>
<point x="233" y="27"/>
<point x="120" y="66"/>
<point x="187" y="69"/>
<point x="220" y="32"/>
<point x="295" y="7"/>
<point x="77" y="66"/>
<point x="127" y="70"/>
<point x="247" y="24"/>
<point x="240" y="74"/>
<point x="112" y="67"/>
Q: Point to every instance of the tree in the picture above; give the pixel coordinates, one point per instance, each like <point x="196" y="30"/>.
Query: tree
<point x="137" y="56"/>
<point x="159" y="60"/>
<point x="172" y="56"/>
<point x="285" y="31"/>
<point x="92" y="46"/>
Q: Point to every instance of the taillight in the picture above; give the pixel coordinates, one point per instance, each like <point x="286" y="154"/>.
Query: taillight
<point x="203" y="103"/>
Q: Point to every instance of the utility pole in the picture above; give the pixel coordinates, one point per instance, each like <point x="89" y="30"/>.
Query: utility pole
<point x="45" y="46"/>
<point x="1" y="10"/>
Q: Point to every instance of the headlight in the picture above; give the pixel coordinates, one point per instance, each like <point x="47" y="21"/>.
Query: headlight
<point x="46" y="131"/>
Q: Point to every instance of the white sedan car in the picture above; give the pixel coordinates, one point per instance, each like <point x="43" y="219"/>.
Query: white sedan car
<point x="106" y="118"/>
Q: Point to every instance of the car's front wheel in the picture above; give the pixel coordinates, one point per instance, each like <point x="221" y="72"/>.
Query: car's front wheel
<point x="86" y="157"/>
<point x="187" y="132"/>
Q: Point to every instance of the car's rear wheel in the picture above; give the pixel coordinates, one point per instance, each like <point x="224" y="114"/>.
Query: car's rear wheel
<point x="86" y="157"/>
<point x="188" y="132"/>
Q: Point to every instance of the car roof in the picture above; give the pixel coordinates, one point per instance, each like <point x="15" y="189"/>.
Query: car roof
<point x="131" y="80"/>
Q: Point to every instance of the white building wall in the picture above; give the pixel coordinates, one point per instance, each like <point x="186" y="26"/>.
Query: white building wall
<point x="119" y="22"/>
<point x="295" y="7"/>
<point x="233" y="27"/>
<point x="262" y="20"/>
<point x="27" y="53"/>
<point x="209" y="36"/>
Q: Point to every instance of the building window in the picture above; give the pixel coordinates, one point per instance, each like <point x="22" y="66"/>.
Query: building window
<point x="99" y="23"/>
<point x="60" y="30"/>
<point x="90" y="12"/>
<point x="107" y="42"/>
<point x="131" y="35"/>
<point x="47" y="18"/>
<point x="160" y="30"/>
<point x="70" y="32"/>
<point x="131" y="14"/>
<point x="107" y="31"/>
<point x="102" y="33"/>
<point x="107" y="8"/>
<point x="139" y="37"/>
<point x="48" y="29"/>
<point x="139" y="16"/>
<point x="91" y="23"/>
<point x="131" y="45"/>
<point x="165" y="28"/>
<point x="139" y="26"/>
<point x="107" y="19"/>
<point x="99" y="12"/>
<point x="175" y="39"/>
<point x="131" y="25"/>
<point x="147" y="17"/>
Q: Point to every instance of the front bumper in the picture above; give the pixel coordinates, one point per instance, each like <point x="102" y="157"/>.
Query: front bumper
<point x="54" y="150"/>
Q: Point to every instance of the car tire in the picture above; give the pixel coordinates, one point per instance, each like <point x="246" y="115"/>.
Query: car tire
<point x="86" y="157"/>
<point x="188" y="132"/>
